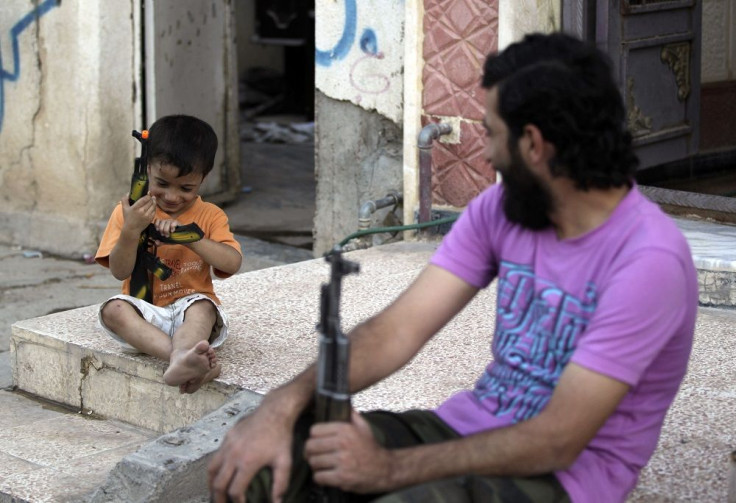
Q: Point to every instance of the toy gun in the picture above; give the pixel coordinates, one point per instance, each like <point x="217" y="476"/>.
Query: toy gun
<point x="333" y="388"/>
<point x="146" y="261"/>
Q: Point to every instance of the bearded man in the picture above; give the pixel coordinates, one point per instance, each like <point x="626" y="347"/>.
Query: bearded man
<point x="597" y="300"/>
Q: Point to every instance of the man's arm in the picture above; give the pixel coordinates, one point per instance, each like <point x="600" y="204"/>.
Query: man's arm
<point x="379" y="347"/>
<point x="346" y="456"/>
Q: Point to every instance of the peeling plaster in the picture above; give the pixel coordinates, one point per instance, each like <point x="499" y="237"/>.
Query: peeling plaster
<point x="360" y="55"/>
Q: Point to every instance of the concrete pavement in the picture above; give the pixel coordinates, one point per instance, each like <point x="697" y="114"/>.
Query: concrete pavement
<point x="76" y="451"/>
<point x="277" y="338"/>
<point x="50" y="452"/>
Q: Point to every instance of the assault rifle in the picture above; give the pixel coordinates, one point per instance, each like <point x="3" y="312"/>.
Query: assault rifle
<point x="145" y="258"/>
<point x="332" y="401"/>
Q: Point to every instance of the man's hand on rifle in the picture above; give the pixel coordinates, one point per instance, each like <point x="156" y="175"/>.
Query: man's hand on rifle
<point x="139" y="215"/>
<point x="346" y="455"/>
<point x="261" y="439"/>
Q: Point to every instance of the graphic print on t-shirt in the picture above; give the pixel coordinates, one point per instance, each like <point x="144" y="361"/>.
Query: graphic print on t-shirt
<point x="537" y="326"/>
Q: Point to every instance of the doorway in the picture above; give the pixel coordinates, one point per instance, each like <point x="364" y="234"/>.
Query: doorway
<point x="676" y="68"/>
<point x="275" y="52"/>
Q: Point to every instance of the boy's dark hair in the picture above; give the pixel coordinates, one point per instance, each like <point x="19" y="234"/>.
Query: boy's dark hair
<point x="183" y="141"/>
<point x="565" y="87"/>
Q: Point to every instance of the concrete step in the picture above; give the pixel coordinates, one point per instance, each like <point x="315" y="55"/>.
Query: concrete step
<point x="53" y="454"/>
<point x="274" y="311"/>
<point x="63" y="356"/>
<point x="713" y="246"/>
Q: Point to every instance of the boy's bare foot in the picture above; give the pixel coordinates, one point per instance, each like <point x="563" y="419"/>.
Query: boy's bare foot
<point x="213" y="358"/>
<point x="190" y="364"/>
<point x="194" y="384"/>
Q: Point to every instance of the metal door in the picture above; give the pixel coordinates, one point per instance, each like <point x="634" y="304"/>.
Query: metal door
<point x="655" y="49"/>
<point x="191" y="68"/>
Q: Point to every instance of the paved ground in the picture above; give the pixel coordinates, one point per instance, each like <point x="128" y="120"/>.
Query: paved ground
<point x="691" y="463"/>
<point x="278" y="204"/>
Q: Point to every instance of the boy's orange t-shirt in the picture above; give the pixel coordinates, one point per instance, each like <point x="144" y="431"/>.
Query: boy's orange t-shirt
<point x="190" y="274"/>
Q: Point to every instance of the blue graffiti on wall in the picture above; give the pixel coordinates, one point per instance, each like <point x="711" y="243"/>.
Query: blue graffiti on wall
<point x="368" y="82"/>
<point x="15" y="32"/>
<point x="341" y="49"/>
<point x="369" y="42"/>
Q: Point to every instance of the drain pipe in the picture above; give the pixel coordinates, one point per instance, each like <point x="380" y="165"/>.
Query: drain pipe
<point x="368" y="208"/>
<point x="428" y="133"/>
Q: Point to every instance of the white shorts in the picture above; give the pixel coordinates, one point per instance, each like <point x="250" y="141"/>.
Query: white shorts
<point x="167" y="318"/>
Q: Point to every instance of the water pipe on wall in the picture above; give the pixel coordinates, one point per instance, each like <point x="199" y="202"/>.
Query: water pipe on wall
<point x="428" y="133"/>
<point x="368" y="208"/>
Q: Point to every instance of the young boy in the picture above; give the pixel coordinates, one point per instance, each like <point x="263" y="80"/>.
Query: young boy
<point x="185" y="322"/>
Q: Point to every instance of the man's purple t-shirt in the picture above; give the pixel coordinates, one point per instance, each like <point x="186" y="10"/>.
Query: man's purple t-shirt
<point x="620" y="300"/>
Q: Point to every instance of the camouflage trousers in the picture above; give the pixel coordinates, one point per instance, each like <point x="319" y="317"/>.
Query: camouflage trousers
<point x="406" y="429"/>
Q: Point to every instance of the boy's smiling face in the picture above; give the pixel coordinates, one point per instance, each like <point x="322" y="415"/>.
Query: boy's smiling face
<point x="174" y="194"/>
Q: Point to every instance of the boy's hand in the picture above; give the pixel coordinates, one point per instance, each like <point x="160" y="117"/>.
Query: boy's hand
<point x="166" y="227"/>
<point x="136" y="217"/>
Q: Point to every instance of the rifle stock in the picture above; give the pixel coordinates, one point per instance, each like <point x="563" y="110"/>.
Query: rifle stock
<point x="332" y="400"/>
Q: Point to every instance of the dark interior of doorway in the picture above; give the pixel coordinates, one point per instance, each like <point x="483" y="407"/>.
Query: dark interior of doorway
<point x="711" y="173"/>
<point x="277" y="200"/>
<point x="700" y="186"/>
<point x="703" y="185"/>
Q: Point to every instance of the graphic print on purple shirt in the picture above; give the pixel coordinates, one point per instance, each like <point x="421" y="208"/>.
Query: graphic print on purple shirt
<point x="536" y="331"/>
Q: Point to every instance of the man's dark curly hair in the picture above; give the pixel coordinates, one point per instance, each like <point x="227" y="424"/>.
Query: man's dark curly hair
<point x="183" y="141"/>
<point x="565" y="87"/>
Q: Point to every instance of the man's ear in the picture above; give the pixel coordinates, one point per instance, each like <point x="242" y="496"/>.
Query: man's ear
<point x="534" y="147"/>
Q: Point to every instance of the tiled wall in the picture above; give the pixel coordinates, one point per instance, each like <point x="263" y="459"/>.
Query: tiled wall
<point x="458" y="34"/>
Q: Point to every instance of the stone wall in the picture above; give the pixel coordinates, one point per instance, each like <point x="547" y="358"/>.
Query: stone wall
<point x="358" y="111"/>
<point x="67" y="106"/>
<point x="358" y="159"/>
<point x="71" y="92"/>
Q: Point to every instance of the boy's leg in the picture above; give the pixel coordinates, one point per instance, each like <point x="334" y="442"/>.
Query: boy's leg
<point x="122" y="318"/>
<point x="193" y="362"/>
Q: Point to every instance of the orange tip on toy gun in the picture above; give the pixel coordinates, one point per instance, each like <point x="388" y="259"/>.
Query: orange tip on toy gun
<point x="139" y="182"/>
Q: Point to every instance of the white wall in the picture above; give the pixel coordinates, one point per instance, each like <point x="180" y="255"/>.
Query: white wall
<point x="516" y="18"/>
<point x="65" y="147"/>
<point x="360" y="53"/>
<point x="718" y="41"/>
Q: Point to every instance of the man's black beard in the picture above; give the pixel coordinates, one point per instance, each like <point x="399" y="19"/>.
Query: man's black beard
<point x="526" y="201"/>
